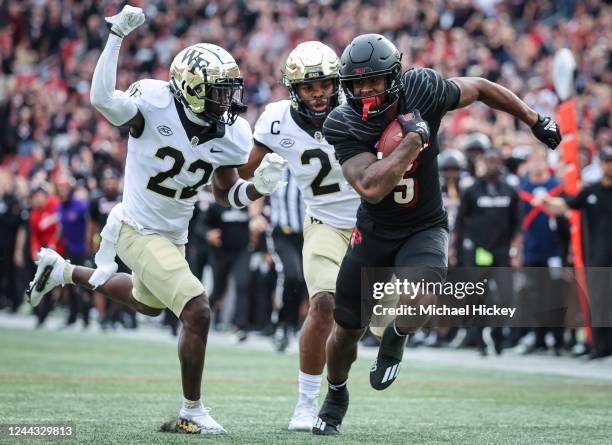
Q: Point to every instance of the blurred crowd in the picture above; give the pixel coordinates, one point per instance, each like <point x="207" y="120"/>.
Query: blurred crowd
<point x="61" y="162"/>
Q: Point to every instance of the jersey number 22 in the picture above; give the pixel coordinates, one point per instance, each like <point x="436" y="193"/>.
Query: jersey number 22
<point x="155" y="182"/>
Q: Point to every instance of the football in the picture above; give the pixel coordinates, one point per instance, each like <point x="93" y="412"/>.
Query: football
<point x="391" y="137"/>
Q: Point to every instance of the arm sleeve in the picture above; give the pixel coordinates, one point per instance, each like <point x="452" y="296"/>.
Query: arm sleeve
<point x="116" y="106"/>
<point x="578" y="201"/>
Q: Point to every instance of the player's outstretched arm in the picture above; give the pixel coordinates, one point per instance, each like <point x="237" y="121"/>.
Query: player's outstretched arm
<point x="257" y="154"/>
<point x="374" y="179"/>
<point x="555" y="205"/>
<point x="501" y="98"/>
<point x="230" y="190"/>
<point x="114" y="105"/>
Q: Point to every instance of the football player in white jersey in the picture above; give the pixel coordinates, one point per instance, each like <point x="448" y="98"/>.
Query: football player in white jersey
<point x="183" y="134"/>
<point x="293" y="129"/>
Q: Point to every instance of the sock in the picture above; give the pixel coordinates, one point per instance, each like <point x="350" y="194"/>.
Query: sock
<point x="191" y="408"/>
<point x="68" y="269"/>
<point x="397" y="331"/>
<point x="393" y="342"/>
<point x="337" y="387"/>
<point x="309" y="385"/>
<point x="59" y="272"/>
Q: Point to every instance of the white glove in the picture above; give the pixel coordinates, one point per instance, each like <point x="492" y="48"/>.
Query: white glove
<point x="268" y="176"/>
<point x="126" y="21"/>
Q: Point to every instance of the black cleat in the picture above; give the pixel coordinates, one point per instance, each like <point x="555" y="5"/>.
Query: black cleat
<point x="387" y="364"/>
<point x="328" y="422"/>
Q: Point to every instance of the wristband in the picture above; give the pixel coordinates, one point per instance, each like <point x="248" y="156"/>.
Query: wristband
<point x="241" y="186"/>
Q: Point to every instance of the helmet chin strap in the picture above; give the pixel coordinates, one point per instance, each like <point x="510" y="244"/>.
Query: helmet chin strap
<point x="368" y="102"/>
<point x="195" y="119"/>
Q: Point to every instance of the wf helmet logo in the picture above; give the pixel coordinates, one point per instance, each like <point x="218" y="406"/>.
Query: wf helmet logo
<point x="355" y="237"/>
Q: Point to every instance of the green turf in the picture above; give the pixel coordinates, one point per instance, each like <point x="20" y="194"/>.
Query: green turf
<point x="119" y="391"/>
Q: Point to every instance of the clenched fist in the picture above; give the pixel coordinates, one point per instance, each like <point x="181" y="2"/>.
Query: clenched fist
<point x="547" y="131"/>
<point x="268" y="176"/>
<point x="126" y="21"/>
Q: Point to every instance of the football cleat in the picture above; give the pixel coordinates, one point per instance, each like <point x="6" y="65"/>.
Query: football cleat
<point x="43" y="281"/>
<point x="200" y="424"/>
<point x="330" y="417"/>
<point x="304" y="415"/>
<point x="386" y="366"/>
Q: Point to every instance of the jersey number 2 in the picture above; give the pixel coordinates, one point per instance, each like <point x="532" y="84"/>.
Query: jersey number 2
<point x="317" y="188"/>
<point x="155" y="182"/>
<point x="406" y="192"/>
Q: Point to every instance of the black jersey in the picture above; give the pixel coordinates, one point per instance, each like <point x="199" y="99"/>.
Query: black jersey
<point x="416" y="203"/>
<point x="489" y="215"/>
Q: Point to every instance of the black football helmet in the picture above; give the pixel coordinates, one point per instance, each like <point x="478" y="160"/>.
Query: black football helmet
<point x="371" y="55"/>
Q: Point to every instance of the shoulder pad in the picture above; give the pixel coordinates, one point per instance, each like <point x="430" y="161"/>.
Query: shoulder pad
<point x="239" y="139"/>
<point x="276" y="110"/>
<point x="154" y="92"/>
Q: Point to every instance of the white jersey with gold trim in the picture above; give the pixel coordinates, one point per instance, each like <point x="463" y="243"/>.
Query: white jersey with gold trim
<point x="312" y="161"/>
<point x="165" y="169"/>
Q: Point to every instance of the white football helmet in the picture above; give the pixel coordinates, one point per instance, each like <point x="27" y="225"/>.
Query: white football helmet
<point x="206" y="79"/>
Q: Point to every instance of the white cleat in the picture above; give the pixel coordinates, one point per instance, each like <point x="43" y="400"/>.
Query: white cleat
<point x="200" y="424"/>
<point x="43" y="281"/>
<point x="304" y="415"/>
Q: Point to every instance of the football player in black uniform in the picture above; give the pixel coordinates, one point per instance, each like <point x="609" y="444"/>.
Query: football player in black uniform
<point x="401" y="220"/>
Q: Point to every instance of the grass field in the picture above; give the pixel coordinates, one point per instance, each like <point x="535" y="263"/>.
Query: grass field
<point x="118" y="390"/>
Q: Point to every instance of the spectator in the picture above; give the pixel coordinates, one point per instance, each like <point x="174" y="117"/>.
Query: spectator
<point x="109" y="312"/>
<point x="73" y="213"/>
<point x="487" y="226"/>
<point x="44" y="232"/>
<point x="286" y="242"/>
<point x="543" y="238"/>
<point x="10" y="221"/>
<point x="595" y="202"/>
<point x="227" y="232"/>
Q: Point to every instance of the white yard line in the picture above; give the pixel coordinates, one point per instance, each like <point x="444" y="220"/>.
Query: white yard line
<point x="532" y="364"/>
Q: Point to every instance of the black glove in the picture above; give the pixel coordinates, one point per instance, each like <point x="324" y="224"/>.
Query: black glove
<point x="416" y="125"/>
<point x="547" y="131"/>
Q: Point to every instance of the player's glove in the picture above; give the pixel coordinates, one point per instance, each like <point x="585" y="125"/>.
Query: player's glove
<point x="268" y="176"/>
<point x="416" y="125"/>
<point x="547" y="131"/>
<point x="126" y="21"/>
